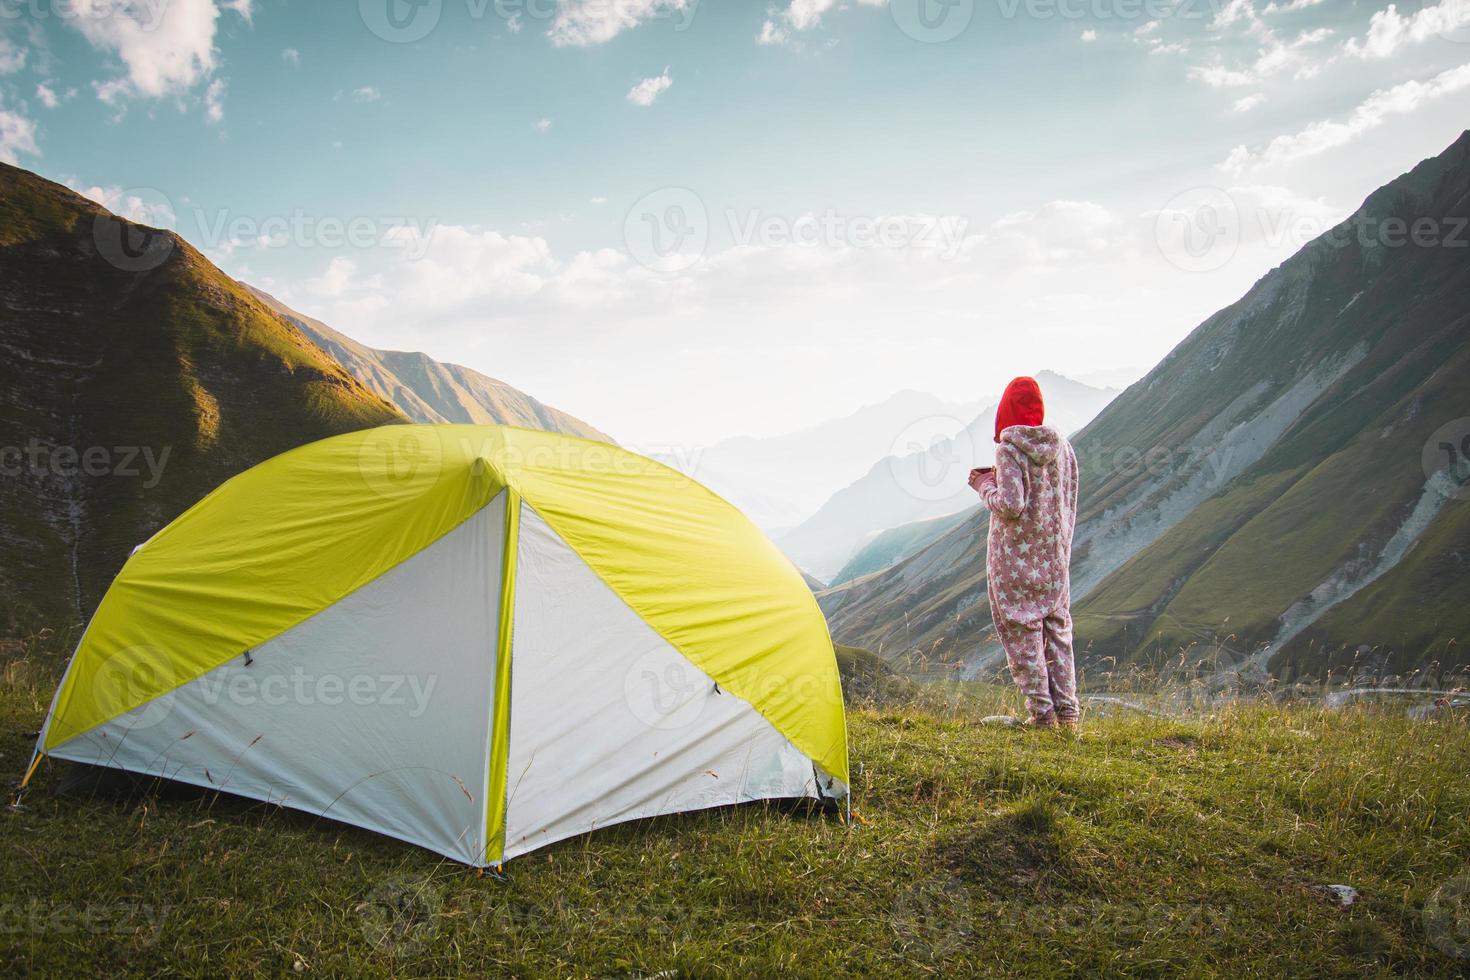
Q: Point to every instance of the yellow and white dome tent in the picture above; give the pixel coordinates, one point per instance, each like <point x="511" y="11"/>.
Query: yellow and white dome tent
<point x="478" y="639"/>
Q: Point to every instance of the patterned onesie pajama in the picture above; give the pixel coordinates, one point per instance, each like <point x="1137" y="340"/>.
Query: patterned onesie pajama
<point x="1032" y="499"/>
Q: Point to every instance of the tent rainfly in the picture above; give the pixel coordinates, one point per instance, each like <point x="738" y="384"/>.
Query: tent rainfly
<point x="478" y="639"/>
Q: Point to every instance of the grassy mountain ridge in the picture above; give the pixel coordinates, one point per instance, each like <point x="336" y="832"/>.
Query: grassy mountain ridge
<point x="1284" y="516"/>
<point x="426" y="390"/>
<point x="137" y="378"/>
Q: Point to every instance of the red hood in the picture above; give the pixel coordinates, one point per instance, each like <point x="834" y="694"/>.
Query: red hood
<point x="1020" y="405"/>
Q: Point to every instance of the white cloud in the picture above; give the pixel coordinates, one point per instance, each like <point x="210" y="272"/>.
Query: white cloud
<point x="1089" y="35"/>
<point x="1389" y="30"/>
<point x="291" y="56"/>
<point x="12" y="56"/>
<point x="646" y="91"/>
<point x="241" y="7"/>
<point x="599" y="199"/>
<point x="1149" y="28"/>
<point x="771" y="33"/>
<point x="214" y="95"/>
<point x="367" y="93"/>
<point x="802" y="15"/>
<point x="153" y="211"/>
<point x="580" y="23"/>
<point x="1274" y="58"/>
<point x="166" y="49"/>
<point x="541" y="125"/>
<point x="1326" y="134"/>
<point x="1247" y="103"/>
<point x="1290" y="7"/>
<point x="17" y="136"/>
<point x="47" y="95"/>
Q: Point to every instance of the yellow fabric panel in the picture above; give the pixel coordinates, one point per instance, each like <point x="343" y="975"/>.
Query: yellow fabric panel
<point x="263" y="552"/>
<point x="495" y="801"/>
<point x="696" y="570"/>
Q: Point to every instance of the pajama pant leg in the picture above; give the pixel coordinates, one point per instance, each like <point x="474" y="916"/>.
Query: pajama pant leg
<point x="1024" y="645"/>
<point x="1061" y="667"/>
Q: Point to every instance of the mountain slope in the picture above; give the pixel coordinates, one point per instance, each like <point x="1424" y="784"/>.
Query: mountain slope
<point x="923" y="484"/>
<point x="136" y="378"/>
<point x="432" y="391"/>
<point x="1261" y="495"/>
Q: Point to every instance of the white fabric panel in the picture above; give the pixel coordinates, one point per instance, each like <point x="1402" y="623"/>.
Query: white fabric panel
<point x="609" y="722"/>
<point x="376" y="711"/>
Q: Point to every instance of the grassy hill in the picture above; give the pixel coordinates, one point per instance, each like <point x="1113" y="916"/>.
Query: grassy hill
<point x="136" y="378"/>
<point x="1262" y="496"/>
<point x="1198" y="846"/>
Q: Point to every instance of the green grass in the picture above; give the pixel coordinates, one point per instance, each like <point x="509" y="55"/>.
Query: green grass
<point x="1145" y="846"/>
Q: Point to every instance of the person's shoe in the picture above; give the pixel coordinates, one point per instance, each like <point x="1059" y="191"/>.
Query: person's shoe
<point x="1045" y="721"/>
<point x="1069" y="722"/>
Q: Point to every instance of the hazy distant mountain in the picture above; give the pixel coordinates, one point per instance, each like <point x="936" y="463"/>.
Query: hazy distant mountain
<point x="136" y="378"/>
<point x="922" y="483"/>
<point x="781" y="480"/>
<point x="1288" y="488"/>
<point x="427" y="390"/>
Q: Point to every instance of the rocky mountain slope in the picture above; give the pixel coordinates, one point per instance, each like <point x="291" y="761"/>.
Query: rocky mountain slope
<point x="136" y="377"/>
<point x="432" y="391"/>
<point x="1287" y="489"/>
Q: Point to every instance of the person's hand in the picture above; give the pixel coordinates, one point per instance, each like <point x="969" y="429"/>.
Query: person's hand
<point x="979" y="477"/>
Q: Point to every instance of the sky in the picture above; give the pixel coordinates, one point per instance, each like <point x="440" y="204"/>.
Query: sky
<point x="684" y="220"/>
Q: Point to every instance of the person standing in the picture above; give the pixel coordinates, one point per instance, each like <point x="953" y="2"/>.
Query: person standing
<point x="1031" y="494"/>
